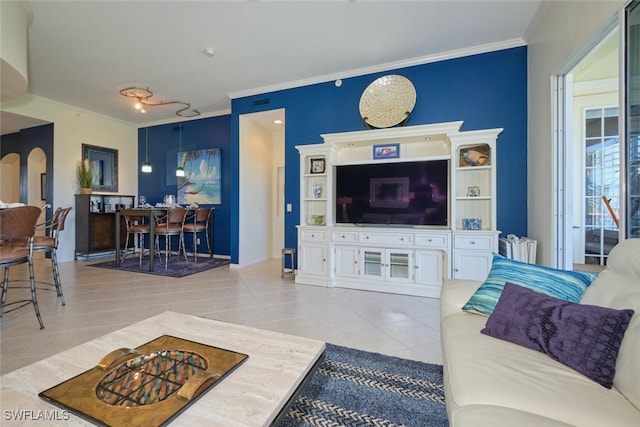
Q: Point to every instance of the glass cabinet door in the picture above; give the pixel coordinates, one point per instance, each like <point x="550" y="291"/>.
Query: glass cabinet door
<point x="398" y="265"/>
<point x="372" y="262"/>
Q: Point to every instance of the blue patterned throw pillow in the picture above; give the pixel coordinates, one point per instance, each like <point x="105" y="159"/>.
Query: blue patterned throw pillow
<point x="563" y="284"/>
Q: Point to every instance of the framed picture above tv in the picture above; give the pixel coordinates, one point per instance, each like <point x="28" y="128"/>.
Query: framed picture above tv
<point x="386" y="151"/>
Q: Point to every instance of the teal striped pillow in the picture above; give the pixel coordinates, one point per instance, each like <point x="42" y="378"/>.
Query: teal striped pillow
<point x="563" y="284"/>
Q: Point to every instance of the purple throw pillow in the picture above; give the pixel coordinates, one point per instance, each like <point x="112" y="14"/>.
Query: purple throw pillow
<point x="584" y="337"/>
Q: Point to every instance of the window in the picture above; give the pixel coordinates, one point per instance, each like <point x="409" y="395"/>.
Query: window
<point x="602" y="183"/>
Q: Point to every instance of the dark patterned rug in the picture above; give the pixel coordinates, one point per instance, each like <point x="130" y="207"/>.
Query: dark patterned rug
<point x="357" y="388"/>
<point x="176" y="267"/>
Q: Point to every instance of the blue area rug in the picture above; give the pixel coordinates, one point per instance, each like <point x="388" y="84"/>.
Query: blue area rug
<point x="357" y="388"/>
<point x="176" y="267"/>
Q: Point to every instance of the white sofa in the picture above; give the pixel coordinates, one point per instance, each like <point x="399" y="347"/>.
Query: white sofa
<point x="490" y="382"/>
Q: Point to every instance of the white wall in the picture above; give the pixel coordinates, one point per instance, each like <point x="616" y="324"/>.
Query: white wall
<point x="277" y="194"/>
<point x="72" y="127"/>
<point x="255" y="193"/>
<point x="10" y="178"/>
<point x="557" y="36"/>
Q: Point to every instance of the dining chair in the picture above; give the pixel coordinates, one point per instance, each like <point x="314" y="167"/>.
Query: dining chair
<point x="136" y="228"/>
<point x="49" y="244"/>
<point x="171" y="225"/>
<point x="17" y="224"/>
<point x="198" y="223"/>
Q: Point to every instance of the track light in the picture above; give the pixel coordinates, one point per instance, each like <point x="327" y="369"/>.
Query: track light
<point x="142" y="96"/>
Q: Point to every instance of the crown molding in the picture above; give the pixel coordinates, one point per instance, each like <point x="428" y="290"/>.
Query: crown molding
<point x="443" y="56"/>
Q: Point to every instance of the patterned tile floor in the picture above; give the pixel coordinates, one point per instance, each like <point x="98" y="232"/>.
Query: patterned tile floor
<point x="100" y="301"/>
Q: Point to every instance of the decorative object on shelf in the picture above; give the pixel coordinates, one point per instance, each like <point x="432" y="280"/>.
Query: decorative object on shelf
<point x="317" y="191"/>
<point x="146" y="166"/>
<point x="386" y="151"/>
<point x="473" y="191"/>
<point x="478" y="155"/>
<point x="103" y="163"/>
<point x="387" y="101"/>
<point x="142" y="95"/>
<point x="317" y="219"/>
<point x="471" y="223"/>
<point x="318" y="165"/>
<point x="85" y="177"/>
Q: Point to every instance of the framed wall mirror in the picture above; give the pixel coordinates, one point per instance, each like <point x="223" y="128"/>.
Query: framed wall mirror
<point x="103" y="163"/>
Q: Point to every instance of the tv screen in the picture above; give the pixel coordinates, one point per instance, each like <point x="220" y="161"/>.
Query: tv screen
<point x="405" y="193"/>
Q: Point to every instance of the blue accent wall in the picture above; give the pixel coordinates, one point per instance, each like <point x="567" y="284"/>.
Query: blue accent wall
<point x="163" y="150"/>
<point x="485" y="91"/>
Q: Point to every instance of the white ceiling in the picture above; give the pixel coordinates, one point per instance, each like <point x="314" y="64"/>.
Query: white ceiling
<point x="83" y="52"/>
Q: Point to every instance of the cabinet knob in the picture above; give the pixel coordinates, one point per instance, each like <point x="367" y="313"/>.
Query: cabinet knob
<point x="343" y="236"/>
<point x="367" y="237"/>
<point x="473" y="242"/>
<point x="402" y="239"/>
<point x="313" y="235"/>
<point x="429" y="240"/>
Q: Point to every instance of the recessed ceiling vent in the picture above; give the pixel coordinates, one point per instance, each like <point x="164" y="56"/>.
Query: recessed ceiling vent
<point x="259" y="102"/>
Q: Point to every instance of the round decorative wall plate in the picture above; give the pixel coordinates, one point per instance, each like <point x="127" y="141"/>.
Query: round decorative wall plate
<point x="387" y="101"/>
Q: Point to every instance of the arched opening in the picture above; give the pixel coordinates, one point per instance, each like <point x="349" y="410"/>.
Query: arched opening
<point x="10" y="178"/>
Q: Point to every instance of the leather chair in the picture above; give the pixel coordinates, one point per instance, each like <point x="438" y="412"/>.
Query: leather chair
<point x="198" y="223"/>
<point x="49" y="244"/>
<point x="16" y="225"/>
<point x="171" y="225"/>
<point x="136" y="228"/>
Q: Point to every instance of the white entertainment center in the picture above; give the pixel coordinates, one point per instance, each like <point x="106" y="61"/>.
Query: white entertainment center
<point x="397" y="257"/>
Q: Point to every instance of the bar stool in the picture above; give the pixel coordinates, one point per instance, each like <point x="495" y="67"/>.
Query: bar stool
<point x="17" y="224"/>
<point x="292" y="271"/>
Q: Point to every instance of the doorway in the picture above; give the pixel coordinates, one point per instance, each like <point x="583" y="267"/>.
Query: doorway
<point x="588" y="155"/>
<point x="261" y="200"/>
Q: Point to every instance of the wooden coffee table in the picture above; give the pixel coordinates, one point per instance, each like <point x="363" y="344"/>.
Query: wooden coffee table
<point x="254" y="394"/>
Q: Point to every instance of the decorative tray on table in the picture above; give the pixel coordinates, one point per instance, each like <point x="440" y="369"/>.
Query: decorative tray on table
<point x="149" y="385"/>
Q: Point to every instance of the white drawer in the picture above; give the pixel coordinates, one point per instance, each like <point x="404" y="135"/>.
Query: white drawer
<point x="344" y="236"/>
<point x="396" y="239"/>
<point x="313" y="235"/>
<point x="432" y="240"/>
<point x="484" y="243"/>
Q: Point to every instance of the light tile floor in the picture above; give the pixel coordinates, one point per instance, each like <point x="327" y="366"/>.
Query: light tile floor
<point x="100" y="301"/>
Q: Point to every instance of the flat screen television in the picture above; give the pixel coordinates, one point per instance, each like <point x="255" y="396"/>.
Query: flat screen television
<point x="403" y="193"/>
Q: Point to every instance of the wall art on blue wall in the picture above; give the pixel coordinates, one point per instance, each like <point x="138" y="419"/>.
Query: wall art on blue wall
<point x="201" y="183"/>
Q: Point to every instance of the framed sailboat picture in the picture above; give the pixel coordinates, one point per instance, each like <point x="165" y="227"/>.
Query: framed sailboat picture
<point x="201" y="183"/>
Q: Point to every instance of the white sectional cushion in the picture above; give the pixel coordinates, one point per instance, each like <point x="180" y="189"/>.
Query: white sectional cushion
<point x="496" y="416"/>
<point x="624" y="258"/>
<point x="482" y="370"/>
<point x="618" y="291"/>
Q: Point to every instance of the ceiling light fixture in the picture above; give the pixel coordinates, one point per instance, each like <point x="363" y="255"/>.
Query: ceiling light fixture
<point x="180" y="170"/>
<point x="146" y="166"/>
<point x="142" y="95"/>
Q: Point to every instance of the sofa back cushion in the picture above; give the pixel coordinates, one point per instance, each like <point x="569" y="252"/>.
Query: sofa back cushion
<point x="619" y="287"/>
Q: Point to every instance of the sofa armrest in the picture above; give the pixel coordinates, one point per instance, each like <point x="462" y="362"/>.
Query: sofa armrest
<point x="455" y="293"/>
